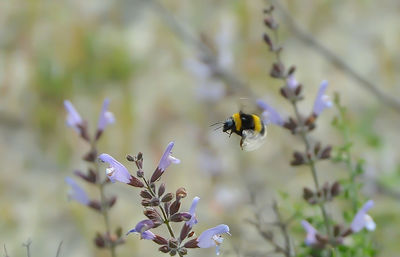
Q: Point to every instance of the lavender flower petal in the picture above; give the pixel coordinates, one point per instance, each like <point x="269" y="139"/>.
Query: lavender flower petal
<point x="142" y="228"/>
<point x="291" y="82"/>
<point x="77" y="193"/>
<point x="167" y="158"/>
<point x="192" y="210"/>
<point x="212" y="237"/>
<point x="106" y="117"/>
<point x="74" y="120"/>
<point x="362" y="219"/>
<point x="321" y="101"/>
<point x="270" y="114"/>
<point x="311" y="233"/>
<point x="116" y="171"/>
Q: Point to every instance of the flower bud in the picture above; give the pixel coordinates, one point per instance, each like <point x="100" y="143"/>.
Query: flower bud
<point x="161" y="190"/>
<point x="182" y="216"/>
<point x="160" y="240"/>
<point x="130" y="158"/>
<point x="191" y="243"/>
<point x="173" y="243"/>
<point x="145" y="194"/>
<point x="99" y="241"/>
<point x="168" y="197"/>
<point x="155" y="201"/>
<point x="135" y="182"/>
<point x="181" y="193"/>
<point x="164" y="249"/>
<point x="182" y="251"/>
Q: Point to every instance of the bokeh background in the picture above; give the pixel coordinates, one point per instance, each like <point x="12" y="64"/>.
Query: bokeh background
<point x="130" y="52"/>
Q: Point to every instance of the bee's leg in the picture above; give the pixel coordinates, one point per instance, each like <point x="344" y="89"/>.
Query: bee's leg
<point x="230" y="134"/>
<point x="241" y="143"/>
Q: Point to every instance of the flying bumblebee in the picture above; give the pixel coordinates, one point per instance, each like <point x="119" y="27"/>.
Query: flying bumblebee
<point x="248" y="126"/>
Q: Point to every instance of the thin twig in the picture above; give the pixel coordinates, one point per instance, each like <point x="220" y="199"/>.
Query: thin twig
<point x="28" y="245"/>
<point x="5" y="251"/>
<point x="59" y="249"/>
<point x="335" y="60"/>
<point x="283" y="227"/>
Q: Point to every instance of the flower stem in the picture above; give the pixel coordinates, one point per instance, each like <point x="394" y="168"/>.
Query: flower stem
<point x="166" y="221"/>
<point x="311" y="163"/>
<point x="104" y="207"/>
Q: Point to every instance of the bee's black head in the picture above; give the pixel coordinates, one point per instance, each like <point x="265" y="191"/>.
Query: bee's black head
<point x="229" y="124"/>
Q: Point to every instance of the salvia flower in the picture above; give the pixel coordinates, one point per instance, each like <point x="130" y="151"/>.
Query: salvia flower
<point x="322" y="101"/>
<point x="166" y="160"/>
<point x="362" y="219"/>
<point x="213" y="237"/>
<point x="74" y="120"/>
<point x="77" y="193"/>
<point x="192" y="211"/>
<point x="270" y="115"/>
<point x="116" y="171"/>
<point x="291" y="82"/>
<point x="311" y="233"/>
<point x="143" y="229"/>
<point x="106" y="117"/>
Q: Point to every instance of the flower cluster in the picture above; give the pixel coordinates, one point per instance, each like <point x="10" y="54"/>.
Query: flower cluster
<point x="162" y="207"/>
<point x="107" y="239"/>
<point x="302" y="125"/>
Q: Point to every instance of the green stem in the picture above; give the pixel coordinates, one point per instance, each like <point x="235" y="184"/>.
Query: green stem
<point x="166" y="221"/>
<point x="311" y="163"/>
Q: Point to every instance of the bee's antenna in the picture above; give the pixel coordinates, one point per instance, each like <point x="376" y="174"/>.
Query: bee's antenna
<point x="216" y="123"/>
<point x="217" y="128"/>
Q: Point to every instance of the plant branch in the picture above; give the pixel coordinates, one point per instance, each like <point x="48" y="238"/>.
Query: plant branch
<point x="311" y="42"/>
<point x="59" y="249"/>
<point x="28" y="246"/>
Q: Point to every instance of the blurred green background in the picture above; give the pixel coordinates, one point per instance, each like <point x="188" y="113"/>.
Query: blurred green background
<point x="85" y="51"/>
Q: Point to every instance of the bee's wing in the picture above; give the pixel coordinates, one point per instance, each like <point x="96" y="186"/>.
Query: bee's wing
<point x="251" y="140"/>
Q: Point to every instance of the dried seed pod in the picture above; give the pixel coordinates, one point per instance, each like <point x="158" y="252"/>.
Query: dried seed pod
<point x="181" y="193"/>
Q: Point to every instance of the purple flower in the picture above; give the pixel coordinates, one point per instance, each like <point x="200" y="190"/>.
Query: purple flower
<point x="212" y="237"/>
<point x="362" y="219"/>
<point x="192" y="210"/>
<point x="106" y="117"/>
<point x="322" y="101"/>
<point x="143" y="229"/>
<point x="116" y="171"/>
<point x="74" y="120"/>
<point x="291" y="82"/>
<point x="77" y="193"/>
<point x="270" y="114"/>
<point x="311" y="233"/>
<point x="167" y="158"/>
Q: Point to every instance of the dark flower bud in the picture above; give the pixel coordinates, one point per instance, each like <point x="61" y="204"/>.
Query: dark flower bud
<point x="172" y="252"/>
<point x="164" y="249"/>
<point x="335" y="189"/>
<point x="277" y="70"/>
<point x="168" y="197"/>
<point x="95" y="205"/>
<point x="173" y="243"/>
<point x="146" y="202"/>
<point x="191" y="244"/>
<point x="83" y="131"/>
<point x="181" y="193"/>
<point x="184" y="231"/>
<point x="317" y="148"/>
<point x="160" y="240"/>
<point x="307" y="193"/>
<point x="182" y="251"/>
<point x="153" y="215"/>
<point x="337" y="229"/>
<point x="298" y="159"/>
<point x="269" y="10"/>
<point x="298" y="90"/>
<point x="156" y="175"/>
<point x="347" y="232"/>
<point x="161" y="190"/>
<point x="153" y="187"/>
<point x="181" y="216"/>
<point x="155" y="201"/>
<point x="135" y="182"/>
<point x="90" y="177"/>
<point x="99" y="241"/>
<point x="326" y="153"/>
<point x="284" y="92"/>
<point x="291" y="125"/>
<point x="90" y="156"/>
<point x="139" y="161"/>
<point x="268" y="41"/>
<point x="111" y="201"/>
<point x="145" y="194"/>
<point x="130" y="158"/>
<point x="174" y="208"/>
<point x="270" y="23"/>
<point x="321" y="239"/>
<point x="167" y="205"/>
<point x="140" y="173"/>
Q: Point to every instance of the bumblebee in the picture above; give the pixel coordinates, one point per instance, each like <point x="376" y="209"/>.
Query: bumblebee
<point x="248" y="126"/>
